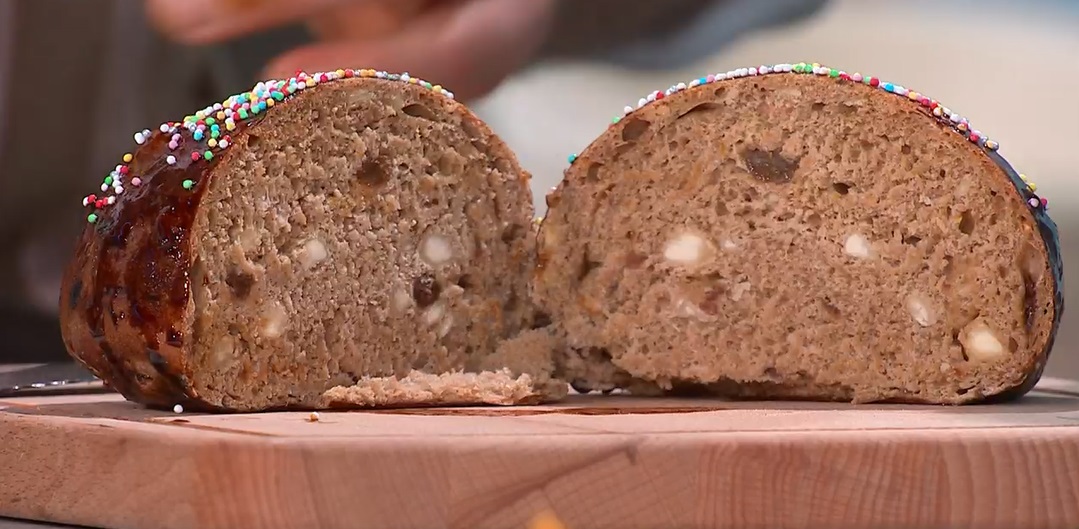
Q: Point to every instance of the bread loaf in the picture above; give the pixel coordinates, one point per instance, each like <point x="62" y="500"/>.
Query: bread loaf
<point x="799" y="232"/>
<point x="353" y="231"/>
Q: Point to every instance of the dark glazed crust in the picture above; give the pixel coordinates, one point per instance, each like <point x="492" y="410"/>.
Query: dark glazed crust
<point x="125" y="298"/>
<point x="125" y="305"/>
<point x="606" y="145"/>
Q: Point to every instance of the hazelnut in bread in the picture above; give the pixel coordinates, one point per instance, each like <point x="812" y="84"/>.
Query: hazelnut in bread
<point x="800" y="232"/>
<point x="348" y="238"/>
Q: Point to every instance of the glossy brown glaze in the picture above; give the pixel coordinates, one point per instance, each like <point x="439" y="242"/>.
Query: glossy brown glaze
<point x="125" y="299"/>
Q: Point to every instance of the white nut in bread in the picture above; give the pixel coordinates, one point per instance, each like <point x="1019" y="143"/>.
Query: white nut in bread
<point x="312" y="253"/>
<point x="920" y="309"/>
<point x="980" y="342"/>
<point x="857" y="246"/>
<point x="740" y="289"/>
<point x="432" y="315"/>
<point x="274" y="321"/>
<point x="224" y="352"/>
<point x="686" y="249"/>
<point x="445" y="326"/>
<point x="686" y="308"/>
<point x="435" y="250"/>
<point x="402" y="300"/>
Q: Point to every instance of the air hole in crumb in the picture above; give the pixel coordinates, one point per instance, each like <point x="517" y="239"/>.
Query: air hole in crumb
<point x="1030" y="302"/>
<point x="587" y="266"/>
<point x="634" y="128"/>
<point x="420" y="362"/>
<point x="770" y="166"/>
<point x="372" y="174"/>
<point x="841" y="188"/>
<point x="240" y="283"/>
<point x="541" y="320"/>
<point x="963" y="391"/>
<point x="721" y="208"/>
<point x="947" y="265"/>
<point x="702" y="107"/>
<point x="956" y="342"/>
<point x="512" y="232"/>
<point x="818" y="106"/>
<point x="831" y="309"/>
<point x="906" y="149"/>
<point x="425" y="290"/>
<point x="943" y="173"/>
<point x="417" y="110"/>
<point x="721" y="91"/>
<point x="510" y="305"/>
<point x="253" y="140"/>
<point x="472" y="129"/>
<point x="635" y="260"/>
<point x="966" y="223"/>
<point x="814" y="220"/>
<point x="174" y="338"/>
<point x="912" y="240"/>
<point x="593" y="172"/>
<point x="751" y="225"/>
<point x="1013" y="345"/>
<point x="465" y="281"/>
<point x="580" y="387"/>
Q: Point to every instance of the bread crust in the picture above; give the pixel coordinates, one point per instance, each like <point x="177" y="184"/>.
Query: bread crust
<point x="126" y="307"/>
<point x="663" y="107"/>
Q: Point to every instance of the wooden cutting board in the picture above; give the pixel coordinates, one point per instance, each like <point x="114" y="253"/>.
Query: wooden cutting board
<point x="591" y="462"/>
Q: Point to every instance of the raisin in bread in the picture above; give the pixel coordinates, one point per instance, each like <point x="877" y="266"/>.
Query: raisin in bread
<point x="800" y="232"/>
<point x="351" y="238"/>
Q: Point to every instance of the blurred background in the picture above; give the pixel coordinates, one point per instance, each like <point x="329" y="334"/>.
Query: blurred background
<point x="1011" y="66"/>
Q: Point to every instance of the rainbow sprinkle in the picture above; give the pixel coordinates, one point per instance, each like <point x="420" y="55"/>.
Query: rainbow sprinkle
<point x="209" y="127"/>
<point x="945" y="115"/>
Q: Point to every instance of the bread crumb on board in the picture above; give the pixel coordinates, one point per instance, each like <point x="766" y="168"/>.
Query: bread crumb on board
<point x="500" y="388"/>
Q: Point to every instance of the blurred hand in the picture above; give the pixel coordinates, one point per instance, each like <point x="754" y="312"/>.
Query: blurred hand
<point x="468" y="46"/>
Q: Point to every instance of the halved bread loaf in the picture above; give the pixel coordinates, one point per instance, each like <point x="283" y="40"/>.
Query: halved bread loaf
<point x="351" y="230"/>
<point x="795" y="231"/>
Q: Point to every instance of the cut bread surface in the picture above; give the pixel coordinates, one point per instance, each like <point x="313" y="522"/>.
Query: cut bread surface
<point x="799" y="232"/>
<point x="365" y="229"/>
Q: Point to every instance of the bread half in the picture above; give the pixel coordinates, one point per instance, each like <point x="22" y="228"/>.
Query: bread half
<point x="354" y="231"/>
<point x="798" y="232"/>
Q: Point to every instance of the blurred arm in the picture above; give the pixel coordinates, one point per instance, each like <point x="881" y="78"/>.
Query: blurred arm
<point x="652" y="34"/>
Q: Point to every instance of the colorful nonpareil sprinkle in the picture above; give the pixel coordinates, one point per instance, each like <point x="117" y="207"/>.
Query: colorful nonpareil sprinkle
<point x="945" y="115"/>
<point x="205" y="133"/>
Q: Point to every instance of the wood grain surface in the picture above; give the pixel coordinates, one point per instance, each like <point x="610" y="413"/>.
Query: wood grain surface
<point x="592" y="462"/>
